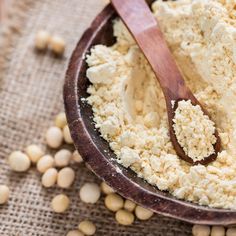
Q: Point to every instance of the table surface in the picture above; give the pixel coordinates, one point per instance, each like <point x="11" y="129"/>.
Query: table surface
<point x="4" y="7"/>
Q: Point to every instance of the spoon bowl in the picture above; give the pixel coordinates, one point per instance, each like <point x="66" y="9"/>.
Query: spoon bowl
<point x="179" y="150"/>
<point x="95" y="150"/>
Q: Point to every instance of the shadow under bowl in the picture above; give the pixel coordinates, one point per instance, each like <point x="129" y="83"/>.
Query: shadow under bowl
<point x="95" y="150"/>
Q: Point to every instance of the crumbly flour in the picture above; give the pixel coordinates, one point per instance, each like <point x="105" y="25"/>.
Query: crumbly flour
<point x="194" y="131"/>
<point x="130" y="111"/>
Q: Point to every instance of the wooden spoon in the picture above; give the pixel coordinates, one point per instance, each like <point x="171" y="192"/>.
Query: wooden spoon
<point x="145" y="30"/>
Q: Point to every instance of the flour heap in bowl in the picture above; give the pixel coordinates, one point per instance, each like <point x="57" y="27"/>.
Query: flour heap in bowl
<point x="194" y="131"/>
<point x="129" y="106"/>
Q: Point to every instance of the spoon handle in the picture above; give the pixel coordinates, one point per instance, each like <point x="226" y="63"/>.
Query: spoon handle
<point x="144" y="28"/>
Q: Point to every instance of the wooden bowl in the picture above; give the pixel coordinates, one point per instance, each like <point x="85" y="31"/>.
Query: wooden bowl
<point x="96" y="152"/>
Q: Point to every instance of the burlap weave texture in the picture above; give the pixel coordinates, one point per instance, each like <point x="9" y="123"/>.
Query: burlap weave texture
<point x="30" y="96"/>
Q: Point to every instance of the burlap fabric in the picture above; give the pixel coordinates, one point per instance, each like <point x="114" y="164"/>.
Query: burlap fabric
<point x="30" y="97"/>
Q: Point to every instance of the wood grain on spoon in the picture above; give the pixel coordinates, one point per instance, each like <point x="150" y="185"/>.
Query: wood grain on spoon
<point x="145" y="30"/>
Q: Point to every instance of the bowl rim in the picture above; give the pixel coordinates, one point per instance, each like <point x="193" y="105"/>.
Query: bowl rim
<point x="102" y="167"/>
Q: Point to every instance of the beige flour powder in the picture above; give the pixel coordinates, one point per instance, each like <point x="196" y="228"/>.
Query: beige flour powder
<point x="130" y="111"/>
<point x="194" y="131"/>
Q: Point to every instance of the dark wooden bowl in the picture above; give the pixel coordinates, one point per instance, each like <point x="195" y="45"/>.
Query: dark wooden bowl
<point x="96" y="152"/>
